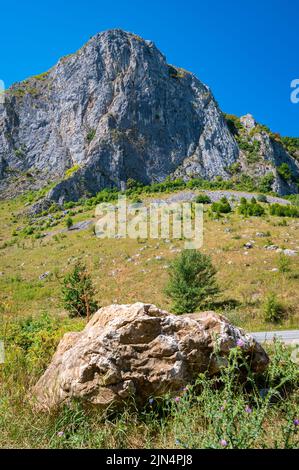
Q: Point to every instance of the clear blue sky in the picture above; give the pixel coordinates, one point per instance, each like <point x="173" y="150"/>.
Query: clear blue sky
<point x="247" y="52"/>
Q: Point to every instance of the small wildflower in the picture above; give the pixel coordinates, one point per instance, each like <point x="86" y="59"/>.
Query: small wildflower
<point x="248" y="409"/>
<point x="240" y="343"/>
<point x="177" y="442"/>
<point x="223" y="443"/>
<point x="296" y="422"/>
<point x="60" y="434"/>
<point x="177" y="399"/>
<point x="223" y="406"/>
<point x="151" y="401"/>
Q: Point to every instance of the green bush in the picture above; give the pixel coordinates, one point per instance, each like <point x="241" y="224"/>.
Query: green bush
<point x="273" y="310"/>
<point x="192" y="282"/>
<point x="284" y="263"/>
<point x="91" y="135"/>
<point x="262" y="198"/>
<point x="265" y="183"/>
<point x="78" y="293"/>
<point x="221" y="207"/>
<point x="69" y="223"/>
<point x="203" y="199"/>
<point x="250" y="209"/>
<point x="281" y="210"/>
<point x="285" y="172"/>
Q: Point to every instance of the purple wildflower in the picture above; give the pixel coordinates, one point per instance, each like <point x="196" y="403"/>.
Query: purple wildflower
<point x="240" y="343"/>
<point x="296" y="422"/>
<point x="223" y="443"/>
<point x="223" y="406"/>
<point x="151" y="401"/>
<point x="248" y="409"/>
<point x="177" y="399"/>
<point x="60" y="434"/>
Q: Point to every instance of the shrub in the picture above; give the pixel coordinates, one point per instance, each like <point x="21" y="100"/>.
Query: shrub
<point x="91" y="135"/>
<point x="192" y="282"/>
<point x="284" y="211"/>
<point x="71" y="171"/>
<point x="262" y="198"/>
<point x="69" y="222"/>
<point x="265" y="183"/>
<point x="203" y="199"/>
<point x="78" y="293"/>
<point x="284" y="263"/>
<point x="284" y="171"/>
<point x="252" y="208"/>
<point x="273" y="309"/>
<point x="132" y="184"/>
<point x="222" y="207"/>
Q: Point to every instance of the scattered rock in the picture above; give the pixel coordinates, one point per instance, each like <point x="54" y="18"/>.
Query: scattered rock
<point x="139" y="349"/>
<point x="271" y="247"/>
<point x="289" y="252"/>
<point x="248" y="245"/>
<point x="261" y="235"/>
<point x="44" y="276"/>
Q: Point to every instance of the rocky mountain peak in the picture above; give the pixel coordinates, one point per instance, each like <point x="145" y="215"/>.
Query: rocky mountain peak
<point x="114" y="110"/>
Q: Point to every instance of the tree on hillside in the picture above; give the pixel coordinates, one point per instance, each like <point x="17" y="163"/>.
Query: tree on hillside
<point x="78" y="293"/>
<point x="192" y="282"/>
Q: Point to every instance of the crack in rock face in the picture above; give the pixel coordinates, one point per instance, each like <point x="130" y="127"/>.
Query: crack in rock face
<point x="142" y="351"/>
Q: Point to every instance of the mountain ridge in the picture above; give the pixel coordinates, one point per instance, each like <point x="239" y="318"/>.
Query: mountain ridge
<point x="116" y="110"/>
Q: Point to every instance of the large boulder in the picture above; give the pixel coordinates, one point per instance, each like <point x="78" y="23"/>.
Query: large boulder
<point x="142" y="350"/>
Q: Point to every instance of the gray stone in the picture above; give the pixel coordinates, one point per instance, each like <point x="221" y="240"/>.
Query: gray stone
<point x="116" y="110"/>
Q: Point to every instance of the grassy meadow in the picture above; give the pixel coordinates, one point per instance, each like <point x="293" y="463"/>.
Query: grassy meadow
<point x="263" y="412"/>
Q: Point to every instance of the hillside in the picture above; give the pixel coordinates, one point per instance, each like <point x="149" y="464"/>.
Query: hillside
<point x="255" y="257"/>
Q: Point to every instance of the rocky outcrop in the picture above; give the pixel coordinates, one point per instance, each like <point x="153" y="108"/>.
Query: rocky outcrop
<point x="139" y="350"/>
<point x="262" y="153"/>
<point x="112" y="111"/>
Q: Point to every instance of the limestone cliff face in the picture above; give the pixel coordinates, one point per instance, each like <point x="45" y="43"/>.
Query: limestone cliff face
<point x="112" y="111"/>
<point x="263" y="153"/>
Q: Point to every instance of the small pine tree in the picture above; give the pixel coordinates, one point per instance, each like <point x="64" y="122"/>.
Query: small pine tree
<point x="69" y="223"/>
<point x="192" y="282"/>
<point x="78" y="293"/>
<point x="203" y="199"/>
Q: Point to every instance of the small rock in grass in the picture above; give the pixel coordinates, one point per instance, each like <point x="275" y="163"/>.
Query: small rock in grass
<point x="44" y="276"/>
<point x="248" y="245"/>
<point x="289" y="252"/>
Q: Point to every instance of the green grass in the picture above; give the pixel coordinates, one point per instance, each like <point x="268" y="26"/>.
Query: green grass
<point x="245" y="280"/>
<point x="224" y="412"/>
<point x="33" y="322"/>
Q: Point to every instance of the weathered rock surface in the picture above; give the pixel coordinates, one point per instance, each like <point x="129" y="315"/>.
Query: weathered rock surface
<point x="113" y="110"/>
<point x="117" y="110"/>
<point x="139" y="349"/>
